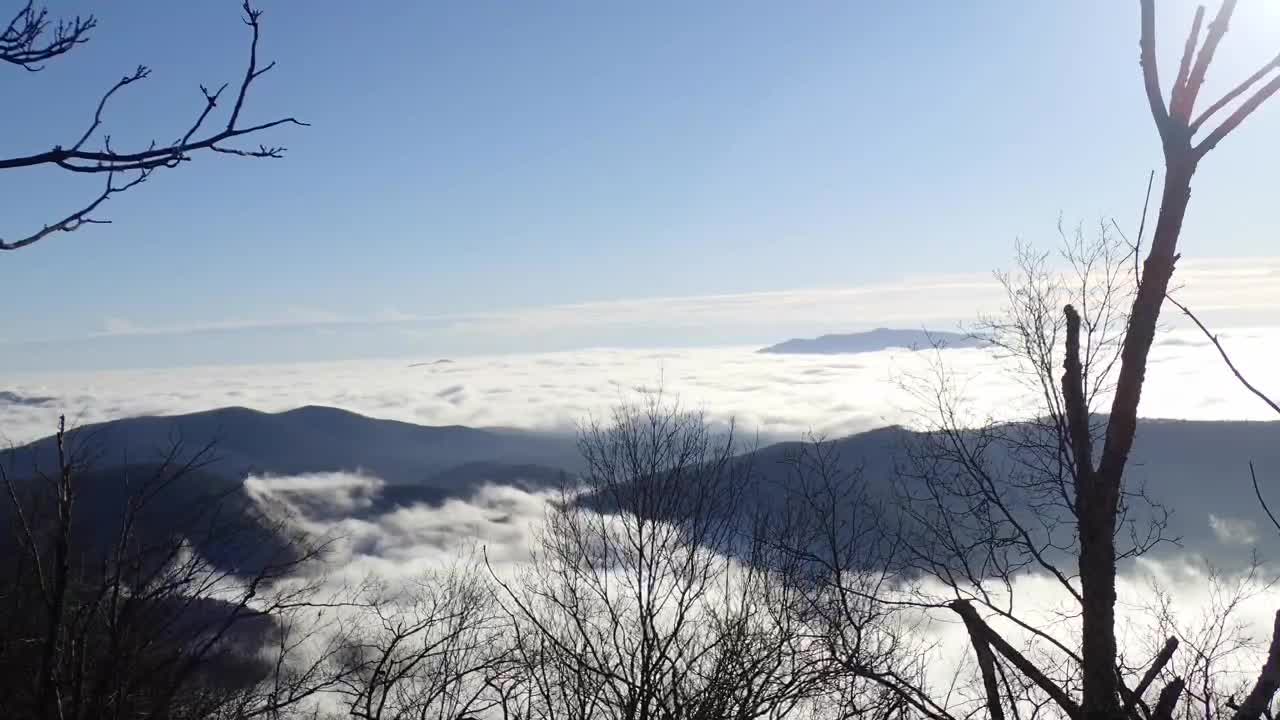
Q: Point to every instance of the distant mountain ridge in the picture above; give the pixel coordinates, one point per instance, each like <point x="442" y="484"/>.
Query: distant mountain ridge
<point x="418" y="465"/>
<point x="308" y="439"/>
<point x="873" y="341"/>
<point x="1199" y="469"/>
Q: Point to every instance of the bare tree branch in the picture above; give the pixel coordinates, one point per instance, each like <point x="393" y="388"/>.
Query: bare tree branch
<point x="1157" y="666"/>
<point x="1179" y="104"/>
<point x="78" y="157"/>
<point x="1236" y="92"/>
<point x="140" y="73"/>
<point x="24" y="42"/>
<point x="1217" y="29"/>
<point x="1233" y="121"/>
<point x="986" y="665"/>
<point x="1150" y="69"/>
<point x="974" y="622"/>
<point x="1253" y="475"/>
<point x="80" y="217"/>
<point x="1226" y="357"/>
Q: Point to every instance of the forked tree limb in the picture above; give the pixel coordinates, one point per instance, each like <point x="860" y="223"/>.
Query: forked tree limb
<point x="1174" y="120"/>
<point x="1217" y="29"/>
<point x="977" y="626"/>
<point x="1233" y="121"/>
<point x="1178" y="104"/>
<point x="1236" y="92"/>
<point x="986" y="665"/>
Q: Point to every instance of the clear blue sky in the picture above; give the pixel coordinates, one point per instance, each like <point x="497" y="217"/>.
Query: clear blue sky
<point x="475" y="156"/>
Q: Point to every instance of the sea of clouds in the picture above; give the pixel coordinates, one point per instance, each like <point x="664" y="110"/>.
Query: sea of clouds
<point x="1178" y="594"/>
<point x="776" y="396"/>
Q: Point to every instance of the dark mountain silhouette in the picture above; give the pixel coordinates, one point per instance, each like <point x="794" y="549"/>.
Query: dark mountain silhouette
<point x="873" y="341"/>
<point x="1199" y="470"/>
<point x="418" y="464"/>
<point x="306" y="440"/>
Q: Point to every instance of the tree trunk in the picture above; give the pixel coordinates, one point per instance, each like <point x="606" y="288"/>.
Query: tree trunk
<point x="1098" y="501"/>
<point x="1157" y="271"/>
<point x="1100" y="696"/>
<point x="48" y="703"/>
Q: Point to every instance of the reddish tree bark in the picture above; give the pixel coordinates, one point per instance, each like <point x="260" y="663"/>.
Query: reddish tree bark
<point x="1099" y="490"/>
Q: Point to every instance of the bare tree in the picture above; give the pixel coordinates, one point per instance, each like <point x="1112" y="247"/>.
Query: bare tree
<point x="544" y="679"/>
<point x="644" y="595"/>
<point x="152" y="591"/>
<point x="1215" y="646"/>
<point x="833" y="543"/>
<point x="983" y="504"/>
<point x="992" y="503"/>
<point x="426" y="650"/>
<point x="32" y="39"/>
<point x="1098" y="483"/>
<point x="1097" y="465"/>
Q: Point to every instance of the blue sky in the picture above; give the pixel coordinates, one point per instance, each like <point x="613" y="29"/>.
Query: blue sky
<point x="477" y="157"/>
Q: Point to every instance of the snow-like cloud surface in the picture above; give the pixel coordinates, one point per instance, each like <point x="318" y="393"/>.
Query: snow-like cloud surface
<point x="396" y="549"/>
<point x="776" y="395"/>
<point x="405" y="542"/>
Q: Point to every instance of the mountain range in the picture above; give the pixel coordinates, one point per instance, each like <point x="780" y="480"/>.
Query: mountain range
<point x="874" y="341"/>
<point x="1199" y="470"/>
<point x="310" y="439"/>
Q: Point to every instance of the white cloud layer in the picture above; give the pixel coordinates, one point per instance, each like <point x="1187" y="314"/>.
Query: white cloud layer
<point x="776" y="395"/>
<point x="406" y="542"/>
<point x="399" y="548"/>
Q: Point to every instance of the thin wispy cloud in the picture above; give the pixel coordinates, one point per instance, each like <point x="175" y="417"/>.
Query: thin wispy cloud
<point x="1226" y="292"/>
<point x="290" y="318"/>
<point x="1233" y="531"/>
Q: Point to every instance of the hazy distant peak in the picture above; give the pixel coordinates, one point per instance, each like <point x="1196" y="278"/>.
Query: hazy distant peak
<point x="873" y="341"/>
<point x="8" y="397"/>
